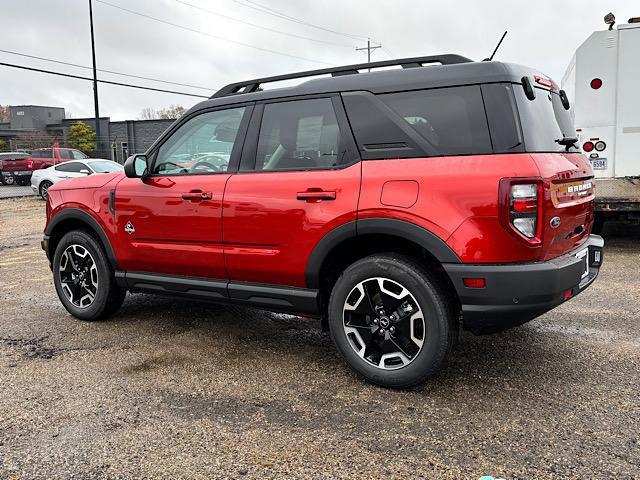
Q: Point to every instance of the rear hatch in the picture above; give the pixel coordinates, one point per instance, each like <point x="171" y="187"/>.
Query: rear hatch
<point x="569" y="188"/>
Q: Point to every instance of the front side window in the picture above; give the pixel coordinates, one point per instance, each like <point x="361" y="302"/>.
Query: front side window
<point x="299" y="135"/>
<point x="201" y="145"/>
<point x="78" y="155"/>
<point x="67" y="155"/>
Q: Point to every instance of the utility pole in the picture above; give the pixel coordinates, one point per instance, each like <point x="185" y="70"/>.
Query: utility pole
<point x="368" y="48"/>
<point x="95" y="80"/>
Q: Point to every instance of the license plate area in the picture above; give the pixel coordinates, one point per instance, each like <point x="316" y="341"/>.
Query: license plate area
<point x="583" y="255"/>
<point x="598" y="163"/>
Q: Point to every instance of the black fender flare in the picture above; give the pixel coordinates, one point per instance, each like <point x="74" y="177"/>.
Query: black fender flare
<point x="84" y="217"/>
<point x="387" y="226"/>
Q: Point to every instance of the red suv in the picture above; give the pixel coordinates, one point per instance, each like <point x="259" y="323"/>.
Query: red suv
<point x="397" y="205"/>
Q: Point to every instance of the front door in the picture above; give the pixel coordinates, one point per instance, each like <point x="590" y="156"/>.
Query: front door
<point x="299" y="179"/>
<point x="170" y="222"/>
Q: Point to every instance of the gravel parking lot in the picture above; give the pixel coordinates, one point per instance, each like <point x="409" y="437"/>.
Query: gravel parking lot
<point x="175" y="389"/>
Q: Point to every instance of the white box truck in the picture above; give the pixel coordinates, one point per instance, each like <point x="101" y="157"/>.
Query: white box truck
<point x="602" y="83"/>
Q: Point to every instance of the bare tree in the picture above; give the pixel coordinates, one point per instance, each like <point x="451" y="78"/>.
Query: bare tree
<point x="169" y="113"/>
<point x="5" y="113"/>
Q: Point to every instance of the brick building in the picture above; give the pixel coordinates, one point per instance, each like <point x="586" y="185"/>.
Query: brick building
<point x="41" y="124"/>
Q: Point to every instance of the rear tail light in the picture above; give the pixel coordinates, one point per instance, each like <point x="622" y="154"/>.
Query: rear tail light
<point x="521" y="207"/>
<point x="588" y="146"/>
<point x="30" y="164"/>
<point x="596" y="83"/>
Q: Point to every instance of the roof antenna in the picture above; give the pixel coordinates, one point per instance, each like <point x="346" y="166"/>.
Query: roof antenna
<point x="497" y="47"/>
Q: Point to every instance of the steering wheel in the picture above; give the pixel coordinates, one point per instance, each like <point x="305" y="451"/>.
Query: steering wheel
<point x="163" y="166"/>
<point x="205" y="164"/>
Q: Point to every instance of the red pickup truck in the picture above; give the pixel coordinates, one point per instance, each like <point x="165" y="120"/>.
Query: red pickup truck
<point x="17" y="167"/>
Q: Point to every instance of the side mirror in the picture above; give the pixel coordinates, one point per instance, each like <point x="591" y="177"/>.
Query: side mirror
<point x="136" y="166"/>
<point x="85" y="171"/>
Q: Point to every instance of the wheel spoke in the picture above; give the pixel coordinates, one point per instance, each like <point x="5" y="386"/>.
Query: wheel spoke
<point x="384" y="323"/>
<point x="78" y="275"/>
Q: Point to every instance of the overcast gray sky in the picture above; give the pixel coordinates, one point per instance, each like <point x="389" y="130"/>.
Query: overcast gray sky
<point x="542" y="34"/>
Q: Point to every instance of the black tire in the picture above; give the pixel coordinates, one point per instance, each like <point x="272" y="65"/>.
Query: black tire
<point x="23" y="182"/>
<point x="108" y="297"/>
<point x="8" y="180"/>
<point x="44" y="188"/>
<point x="438" y="313"/>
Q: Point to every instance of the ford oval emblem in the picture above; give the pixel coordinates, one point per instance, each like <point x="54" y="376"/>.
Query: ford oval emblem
<point x="555" y="222"/>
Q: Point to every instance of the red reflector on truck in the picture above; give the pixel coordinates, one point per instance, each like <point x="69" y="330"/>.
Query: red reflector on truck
<point x="596" y="83"/>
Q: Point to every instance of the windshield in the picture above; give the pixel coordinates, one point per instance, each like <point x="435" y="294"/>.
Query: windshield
<point x="105" y="166"/>
<point x="546" y="124"/>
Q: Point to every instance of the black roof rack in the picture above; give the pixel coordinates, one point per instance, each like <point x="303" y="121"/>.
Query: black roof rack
<point x="249" y="86"/>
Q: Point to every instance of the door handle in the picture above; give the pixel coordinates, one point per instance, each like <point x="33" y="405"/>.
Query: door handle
<point x="314" y="195"/>
<point x="196" y="195"/>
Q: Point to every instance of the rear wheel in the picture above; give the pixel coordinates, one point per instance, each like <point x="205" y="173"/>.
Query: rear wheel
<point x="84" y="279"/>
<point x="44" y="188"/>
<point x="390" y="321"/>
<point x="8" y="179"/>
<point x="22" y="181"/>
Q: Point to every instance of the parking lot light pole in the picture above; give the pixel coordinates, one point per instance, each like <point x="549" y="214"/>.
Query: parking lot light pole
<point x="95" y="80"/>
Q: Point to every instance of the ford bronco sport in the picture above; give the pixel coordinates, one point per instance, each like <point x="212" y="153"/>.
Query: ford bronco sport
<point x="397" y="205"/>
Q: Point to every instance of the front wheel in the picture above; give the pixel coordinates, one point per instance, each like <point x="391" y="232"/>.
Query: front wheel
<point x="391" y="321"/>
<point x="83" y="277"/>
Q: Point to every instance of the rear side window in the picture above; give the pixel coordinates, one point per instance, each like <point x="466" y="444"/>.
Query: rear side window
<point x="73" y="167"/>
<point x="544" y="121"/>
<point x="47" y="153"/>
<point x="502" y="115"/>
<point x="299" y="135"/>
<point x="451" y="120"/>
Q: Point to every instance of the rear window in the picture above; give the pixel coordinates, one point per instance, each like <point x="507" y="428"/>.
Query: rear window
<point x="105" y="166"/>
<point x="452" y="120"/>
<point x="544" y="121"/>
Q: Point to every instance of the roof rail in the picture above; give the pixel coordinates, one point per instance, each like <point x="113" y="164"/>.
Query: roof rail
<point x="249" y="86"/>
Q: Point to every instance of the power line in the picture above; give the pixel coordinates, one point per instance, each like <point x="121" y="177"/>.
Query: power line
<point x="193" y="30"/>
<point x="109" y="82"/>
<point x="388" y="52"/>
<point x="369" y="48"/>
<point x="271" y="11"/>
<point x="106" y="71"/>
<point x="274" y="30"/>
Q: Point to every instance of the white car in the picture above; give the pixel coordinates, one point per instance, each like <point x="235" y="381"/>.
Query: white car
<point x="41" y="180"/>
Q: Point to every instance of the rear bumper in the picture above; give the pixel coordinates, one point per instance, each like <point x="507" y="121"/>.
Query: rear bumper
<point x="515" y="294"/>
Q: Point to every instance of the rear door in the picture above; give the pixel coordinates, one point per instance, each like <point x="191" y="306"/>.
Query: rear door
<point x="299" y="179"/>
<point x="170" y="222"/>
